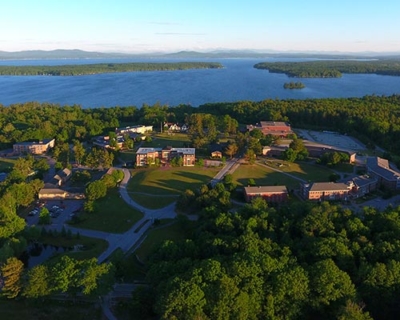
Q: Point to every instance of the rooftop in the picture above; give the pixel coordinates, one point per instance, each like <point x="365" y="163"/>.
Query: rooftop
<point x="382" y="168"/>
<point x="264" y="189"/>
<point x="328" y="186"/>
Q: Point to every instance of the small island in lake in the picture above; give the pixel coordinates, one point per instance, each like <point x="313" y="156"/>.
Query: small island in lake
<point x="86" y="69"/>
<point x="294" y="85"/>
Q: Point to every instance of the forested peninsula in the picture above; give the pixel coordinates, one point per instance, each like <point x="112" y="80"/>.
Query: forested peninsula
<point x="87" y="69"/>
<point x="331" y="68"/>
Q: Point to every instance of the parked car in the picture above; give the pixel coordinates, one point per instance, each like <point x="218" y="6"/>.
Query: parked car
<point x="33" y="213"/>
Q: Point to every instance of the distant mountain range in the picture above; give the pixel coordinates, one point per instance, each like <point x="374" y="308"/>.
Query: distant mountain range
<point x="80" y="54"/>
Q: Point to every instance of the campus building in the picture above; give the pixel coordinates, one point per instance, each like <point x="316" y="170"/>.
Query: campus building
<point x="38" y="147"/>
<point x="134" y="129"/>
<point x="386" y="175"/>
<point x="146" y="156"/>
<point x="273" y="194"/>
<point x="325" y="191"/>
<point x="275" y="128"/>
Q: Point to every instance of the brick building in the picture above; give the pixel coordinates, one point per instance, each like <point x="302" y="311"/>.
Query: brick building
<point x="325" y="191"/>
<point x="274" y="194"/>
<point x="38" y="147"/>
<point x="145" y="156"/>
<point x="276" y="128"/>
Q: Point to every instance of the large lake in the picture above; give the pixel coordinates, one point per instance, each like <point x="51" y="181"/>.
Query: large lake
<point x="238" y="80"/>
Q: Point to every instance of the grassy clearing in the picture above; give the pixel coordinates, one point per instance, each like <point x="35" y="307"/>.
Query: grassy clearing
<point x="157" y="236"/>
<point x="48" y="310"/>
<point x="262" y="176"/>
<point x="112" y="214"/>
<point x="169" y="181"/>
<point x="177" y="140"/>
<point x="344" y="167"/>
<point x="6" y="164"/>
<point x="305" y="171"/>
<point x="153" y="202"/>
<point x="92" y="247"/>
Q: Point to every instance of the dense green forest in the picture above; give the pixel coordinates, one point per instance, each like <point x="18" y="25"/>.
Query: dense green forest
<point x="83" y="69"/>
<point x="373" y="119"/>
<point x="331" y="68"/>
<point x="293" y="85"/>
<point x="306" y="261"/>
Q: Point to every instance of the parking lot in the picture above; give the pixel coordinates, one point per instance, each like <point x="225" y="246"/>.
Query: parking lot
<point x="332" y="139"/>
<point x="58" y="217"/>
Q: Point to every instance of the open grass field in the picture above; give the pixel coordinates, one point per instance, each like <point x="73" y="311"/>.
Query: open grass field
<point x="92" y="247"/>
<point x="49" y="310"/>
<point x="169" y="181"/>
<point x="112" y="214"/>
<point x="6" y="164"/>
<point x="262" y="176"/>
<point x="157" y="236"/>
<point x="177" y="140"/>
<point x="153" y="202"/>
<point x="305" y="171"/>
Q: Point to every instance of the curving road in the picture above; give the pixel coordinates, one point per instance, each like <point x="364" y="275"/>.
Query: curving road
<point x="127" y="240"/>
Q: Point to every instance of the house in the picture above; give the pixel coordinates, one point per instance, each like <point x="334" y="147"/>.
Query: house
<point x="62" y="176"/>
<point x="386" y="175"/>
<point x="172" y="127"/>
<point x="274" y="194"/>
<point x="325" y="191"/>
<point x="38" y="147"/>
<point x="216" y="154"/>
<point x="145" y="156"/>
<point x="216" y="149"/>
<point x="52" y="192"/>
<point x="276" y="128"/>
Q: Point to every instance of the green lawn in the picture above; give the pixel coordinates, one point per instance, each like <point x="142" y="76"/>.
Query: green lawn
<point x="6" y="164"/>
<point x="92" y="247"/>
<point x="156" y="236"/>
<point x="112" y="214"/>
<point x="176" y="140"/>
<point x="305" y="171"/>
<point x="344" y="167"/>
<point x="153" y="202"/>
<point x="262" y="176"/>
<point x="169" y="181"/>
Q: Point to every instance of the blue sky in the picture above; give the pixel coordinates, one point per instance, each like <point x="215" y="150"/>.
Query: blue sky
<point x="174" y="25"/>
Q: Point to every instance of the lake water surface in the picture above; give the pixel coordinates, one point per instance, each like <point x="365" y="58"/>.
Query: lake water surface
<point x="238" y="80"/>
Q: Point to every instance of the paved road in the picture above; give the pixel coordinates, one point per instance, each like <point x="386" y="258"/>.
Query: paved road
<point x="230" y="165"/>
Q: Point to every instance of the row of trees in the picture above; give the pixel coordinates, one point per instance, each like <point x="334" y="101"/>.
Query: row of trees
<point x="65" y="275"/>
<point x="96" y="158"/>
